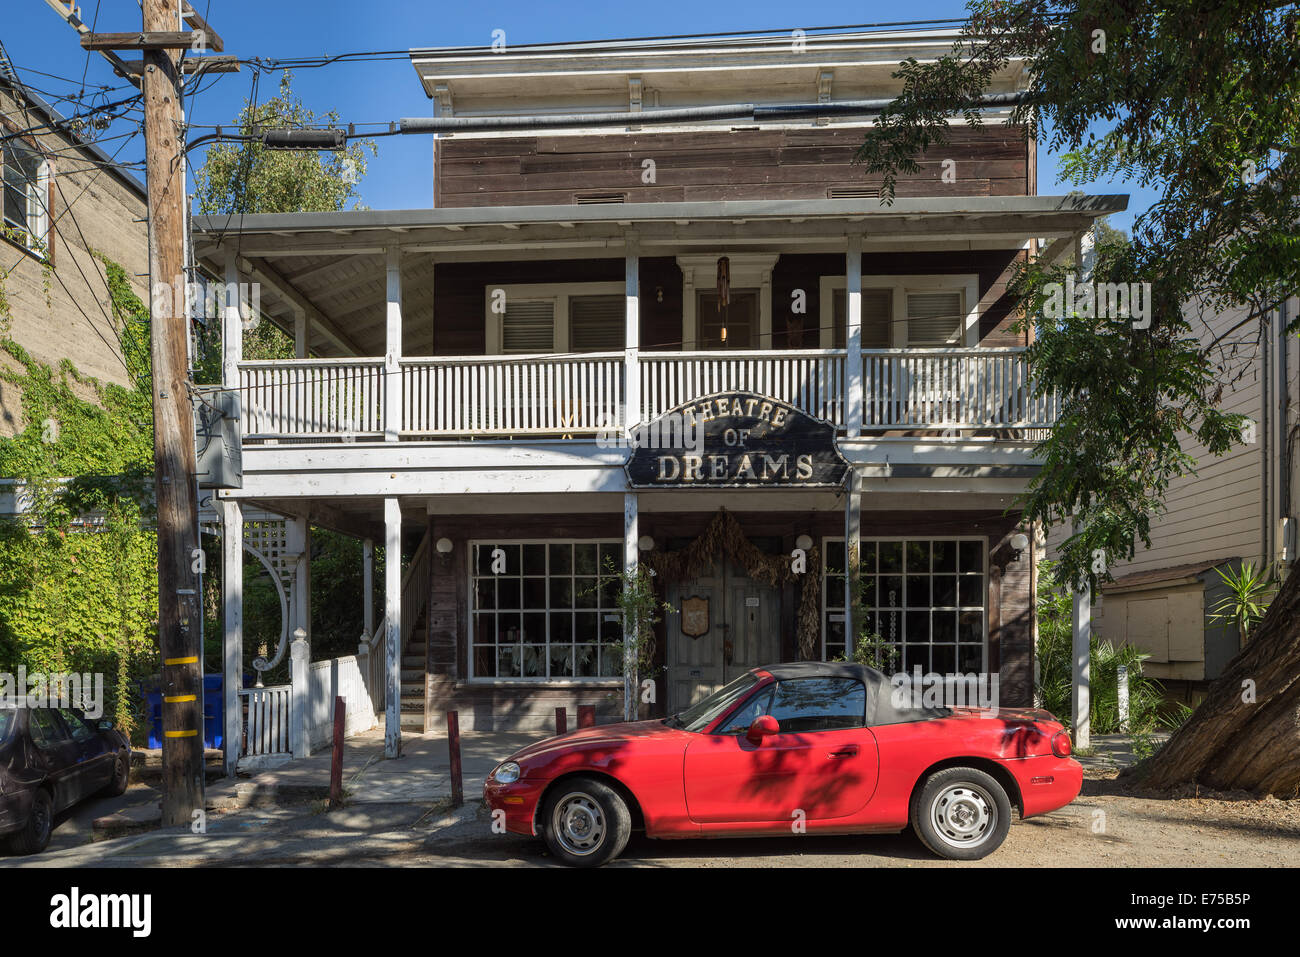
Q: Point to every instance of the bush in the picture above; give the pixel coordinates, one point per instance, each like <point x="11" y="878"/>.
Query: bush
<point x="1147" y="710"/>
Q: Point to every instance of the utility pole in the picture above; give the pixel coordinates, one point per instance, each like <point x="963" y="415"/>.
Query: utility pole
<point x="175" y="478"/>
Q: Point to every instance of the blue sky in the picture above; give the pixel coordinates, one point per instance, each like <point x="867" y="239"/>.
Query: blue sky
<point x="401" y="177"/>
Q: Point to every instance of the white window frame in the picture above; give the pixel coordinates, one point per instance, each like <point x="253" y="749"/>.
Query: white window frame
<point x="558" y="292"/>
<point x="585" y="681"/>
<point x="37" y="203"/>
<point x="966" y="283"/>
<point x="984" y="626"/>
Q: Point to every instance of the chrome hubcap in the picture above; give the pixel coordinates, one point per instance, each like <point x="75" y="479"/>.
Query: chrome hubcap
<point x="964" y="815"/>
<point x="578" y="824"/>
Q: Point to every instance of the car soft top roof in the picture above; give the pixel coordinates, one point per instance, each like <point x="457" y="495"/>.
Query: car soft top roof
<point x="881" y="708"/>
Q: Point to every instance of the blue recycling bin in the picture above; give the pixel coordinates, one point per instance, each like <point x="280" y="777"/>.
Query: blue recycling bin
<point x="213" y="725"/>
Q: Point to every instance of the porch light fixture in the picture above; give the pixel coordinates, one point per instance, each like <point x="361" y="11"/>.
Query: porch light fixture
<point x="444" y="546"/>
<point x="1019" y="542"/>
<point x="645" y="543"/>
<point x="804" y="542"/>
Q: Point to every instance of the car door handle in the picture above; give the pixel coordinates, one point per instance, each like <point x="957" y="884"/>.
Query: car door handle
<point x="848" y="751"/>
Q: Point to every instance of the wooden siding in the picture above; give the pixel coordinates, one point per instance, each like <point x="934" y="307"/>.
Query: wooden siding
<point x="460" y="288"/>
<point x="748" y="163"/>
<point x="502" y="705"/>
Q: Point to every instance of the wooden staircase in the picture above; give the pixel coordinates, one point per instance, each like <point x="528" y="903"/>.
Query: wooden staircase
<point x="413" y="664"/>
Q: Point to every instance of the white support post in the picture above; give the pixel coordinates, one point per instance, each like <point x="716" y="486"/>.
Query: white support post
<point x="393" y="628"/>
<point x="853" y="340"/>
<point x="632" y="337"/>
<point x="299" y="694"/>
<point x="368" y="587"/>
<point x="852" y="554"/>
<point x="1081" y="612"/>
<point x="631" y="557"/>
<point x="393" y="348"/>
<point x="232" y="327"/>
<point x="1081" y="669"/>
<point x="300" y="328"/>
<point x="232" y="597"/>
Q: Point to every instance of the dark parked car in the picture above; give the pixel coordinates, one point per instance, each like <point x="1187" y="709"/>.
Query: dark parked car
<point x="51" y="758"/>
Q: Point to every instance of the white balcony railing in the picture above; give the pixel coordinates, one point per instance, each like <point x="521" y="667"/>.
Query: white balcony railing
<point x="579" y="395"/>
<point x="951" y="389"/>
<point x="512" y="395"/>
<point x="312" y="397"/>
<point x="810" y="380"/>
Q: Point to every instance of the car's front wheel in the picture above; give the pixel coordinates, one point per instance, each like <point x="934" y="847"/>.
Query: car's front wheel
<point x="586" y="822"/>
<point x="961" y="813"/>
<point x="35" y="836"/>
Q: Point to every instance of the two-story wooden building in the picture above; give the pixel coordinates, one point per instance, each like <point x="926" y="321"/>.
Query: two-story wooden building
<point x="800" y="363"/>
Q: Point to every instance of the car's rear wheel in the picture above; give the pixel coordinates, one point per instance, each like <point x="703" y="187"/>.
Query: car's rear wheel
<point x="962" y="814"/>
<point x="34" y="838"/>
<point x="121" y="775"/>
<point x="586" y="822"/>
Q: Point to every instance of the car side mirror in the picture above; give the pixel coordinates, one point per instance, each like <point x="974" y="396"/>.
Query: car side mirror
<point x="763" y="726"/>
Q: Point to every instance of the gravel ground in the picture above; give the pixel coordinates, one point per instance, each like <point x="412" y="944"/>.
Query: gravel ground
<point x="1108" y="825"/>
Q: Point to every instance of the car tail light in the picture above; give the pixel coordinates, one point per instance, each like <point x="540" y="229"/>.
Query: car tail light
<point x="1061" y="744"/>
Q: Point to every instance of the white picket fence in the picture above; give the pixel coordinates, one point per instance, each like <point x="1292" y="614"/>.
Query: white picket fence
<point x="266" y="721"/>
<point x="338" y="677"/>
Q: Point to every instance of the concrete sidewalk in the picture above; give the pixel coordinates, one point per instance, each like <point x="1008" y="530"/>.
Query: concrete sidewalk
<point x="422" y="774"/>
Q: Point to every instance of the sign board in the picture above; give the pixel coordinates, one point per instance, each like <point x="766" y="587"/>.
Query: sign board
<point x="736" y="440"/>
<point x="695" y="616"/>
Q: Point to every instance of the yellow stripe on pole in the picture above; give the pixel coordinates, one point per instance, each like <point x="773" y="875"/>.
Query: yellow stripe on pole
<point x="179" y="734"/>
<point x="191" y="660"/>
<point x="179" y="698"/>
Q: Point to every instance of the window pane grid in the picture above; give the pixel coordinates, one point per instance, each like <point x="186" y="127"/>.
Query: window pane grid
<point x="545" y="610"/>
<point x="924" y="597"/>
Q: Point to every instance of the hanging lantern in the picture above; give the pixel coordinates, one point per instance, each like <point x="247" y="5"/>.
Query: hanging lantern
<point x="724" y="293"/>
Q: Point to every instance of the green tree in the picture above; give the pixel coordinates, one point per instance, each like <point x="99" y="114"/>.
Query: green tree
<point x="247" y="178"/>
<point x="1200" y="101"/>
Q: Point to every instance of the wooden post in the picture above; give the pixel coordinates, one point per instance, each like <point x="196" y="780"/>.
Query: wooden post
<point x="368" y="588"/>
<point x="1081" y="669"/>
<point x="631" y="651"/>
<point x="453" y="749"/>
<point x="232" y="594"/>
<point x="561" y="720"/>
<point x="1121" y="695"/>
<point x="393" y="628"/>
<point x="852" y="555"/>
<point x="586" y="716"/>
<point x="393" y="347"/>
<point x="853" y="337"/>
<point x="336" y="759"/>
<point x="175" y="481"/>
<point x="632" y="333"/>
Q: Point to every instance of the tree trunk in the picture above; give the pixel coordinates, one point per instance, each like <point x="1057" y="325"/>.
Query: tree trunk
<point x="1246" y="734"/>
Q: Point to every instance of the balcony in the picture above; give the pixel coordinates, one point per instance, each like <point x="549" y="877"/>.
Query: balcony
<point x="981" y="390"/>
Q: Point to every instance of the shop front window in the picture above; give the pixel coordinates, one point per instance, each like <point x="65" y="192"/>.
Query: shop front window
<point x="924" y="597"/>
<point x="545" y="610"/>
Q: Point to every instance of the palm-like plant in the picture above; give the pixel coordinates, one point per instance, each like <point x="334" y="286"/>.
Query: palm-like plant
<point x="1249" y="592"/>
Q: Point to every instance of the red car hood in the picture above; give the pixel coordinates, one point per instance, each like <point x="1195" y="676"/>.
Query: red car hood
<point x="599" y="735"/>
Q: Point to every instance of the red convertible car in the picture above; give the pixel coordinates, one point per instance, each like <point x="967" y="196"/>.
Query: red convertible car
<point x="790" y="749"/>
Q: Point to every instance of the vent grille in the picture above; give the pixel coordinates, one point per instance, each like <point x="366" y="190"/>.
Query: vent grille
<point x="597" y="199"/>
<point x="853" y="192"/>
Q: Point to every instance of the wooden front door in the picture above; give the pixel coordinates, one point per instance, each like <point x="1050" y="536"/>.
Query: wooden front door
<point x="743" y="632"/>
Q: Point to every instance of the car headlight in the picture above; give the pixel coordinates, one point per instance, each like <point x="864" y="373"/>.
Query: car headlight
<point x="507" y="773"/>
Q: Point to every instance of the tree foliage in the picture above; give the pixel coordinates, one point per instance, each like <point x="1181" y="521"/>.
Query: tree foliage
<point x="1196" y="100"/>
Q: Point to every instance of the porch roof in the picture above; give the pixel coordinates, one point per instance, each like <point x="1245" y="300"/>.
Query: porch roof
<point x="332" y="265"/>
